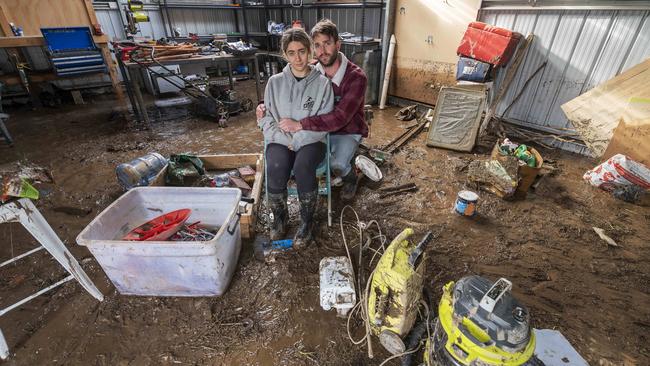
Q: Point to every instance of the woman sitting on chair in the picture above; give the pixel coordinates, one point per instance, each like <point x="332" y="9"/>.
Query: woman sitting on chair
<point x="297" y="92"/>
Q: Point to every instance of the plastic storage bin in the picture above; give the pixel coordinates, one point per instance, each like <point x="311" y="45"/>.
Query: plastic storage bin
<point x="167" y="268"/>
<point x="473" y="70"/>
<point x="488" y="43"/>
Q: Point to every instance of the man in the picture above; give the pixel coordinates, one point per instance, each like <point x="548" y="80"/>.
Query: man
<point x="346" y="124"/>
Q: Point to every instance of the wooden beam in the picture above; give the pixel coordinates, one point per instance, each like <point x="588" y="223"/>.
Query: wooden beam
<point x="35" y="41"/>
<point x="33" y="78"/>
<point x="91" y="11"/>
<point x="112" y="72"/>
<point x="21" y="41"/>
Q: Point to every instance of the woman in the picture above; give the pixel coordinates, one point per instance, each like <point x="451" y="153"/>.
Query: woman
<point x="297" y="92"/>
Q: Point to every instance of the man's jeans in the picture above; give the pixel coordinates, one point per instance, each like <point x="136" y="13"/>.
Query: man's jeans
<point x="343" y="148"/>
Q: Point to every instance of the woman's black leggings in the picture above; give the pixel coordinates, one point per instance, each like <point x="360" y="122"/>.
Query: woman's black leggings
<point x="280" y="161"/>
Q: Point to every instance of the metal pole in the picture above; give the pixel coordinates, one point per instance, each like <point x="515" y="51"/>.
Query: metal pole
<point x="127" y="83"/>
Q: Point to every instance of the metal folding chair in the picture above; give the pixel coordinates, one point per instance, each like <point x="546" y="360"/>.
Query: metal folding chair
<point x="322" y="170"/>
<point x="24" y="211"/>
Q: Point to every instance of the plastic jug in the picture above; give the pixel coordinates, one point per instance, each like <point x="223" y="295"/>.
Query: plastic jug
<point x="140" y="171"/>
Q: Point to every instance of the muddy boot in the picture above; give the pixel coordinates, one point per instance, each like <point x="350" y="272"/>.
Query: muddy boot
<point x="349" y="188"/>
<point x="278" y="206"/>
<point x="308" y="204"/>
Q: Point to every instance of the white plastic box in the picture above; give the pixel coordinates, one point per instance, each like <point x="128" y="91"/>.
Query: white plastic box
<point x="167" y="268"/>
<point x="337" y="285"/>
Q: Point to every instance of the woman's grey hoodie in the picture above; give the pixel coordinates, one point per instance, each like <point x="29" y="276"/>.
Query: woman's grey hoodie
<point x="285" y="97"/>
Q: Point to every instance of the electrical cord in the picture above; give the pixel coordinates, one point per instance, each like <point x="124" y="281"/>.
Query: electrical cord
<point x="361" y="306"/>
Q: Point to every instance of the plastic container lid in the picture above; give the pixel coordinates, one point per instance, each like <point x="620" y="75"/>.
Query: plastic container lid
<point x="468" y="196"/>
<point x="369" y="168"/>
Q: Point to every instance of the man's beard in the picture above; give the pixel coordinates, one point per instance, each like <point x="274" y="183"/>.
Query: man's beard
<point x="330" y="61"/>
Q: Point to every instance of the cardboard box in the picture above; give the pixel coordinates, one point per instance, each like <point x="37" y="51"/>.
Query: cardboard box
<point x="526" y="174"/>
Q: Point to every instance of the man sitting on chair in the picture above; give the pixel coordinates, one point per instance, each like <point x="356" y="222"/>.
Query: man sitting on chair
<point x="346" y="123"/>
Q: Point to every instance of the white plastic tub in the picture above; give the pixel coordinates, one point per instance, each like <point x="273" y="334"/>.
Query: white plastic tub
<point x="167" y="268"/>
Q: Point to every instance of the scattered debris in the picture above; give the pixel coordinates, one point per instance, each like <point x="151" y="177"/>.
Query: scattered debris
<point x="496" y="176"/>
<point x="73" y="211"/>
<point x="602" y="235"/>
<point x="28" y="171"/>
<point x="391" y="191"/>
<point x="407" y="113"/>
<point x="194" y="232"/>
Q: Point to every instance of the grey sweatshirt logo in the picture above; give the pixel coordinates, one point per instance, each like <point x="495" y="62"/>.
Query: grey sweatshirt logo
<point x="309" y="104"/>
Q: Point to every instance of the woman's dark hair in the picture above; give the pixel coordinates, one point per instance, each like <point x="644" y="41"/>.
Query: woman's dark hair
<point x="295" y="35"/>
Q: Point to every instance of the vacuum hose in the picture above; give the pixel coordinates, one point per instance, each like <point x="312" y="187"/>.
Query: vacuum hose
<point x="420" y="329"/>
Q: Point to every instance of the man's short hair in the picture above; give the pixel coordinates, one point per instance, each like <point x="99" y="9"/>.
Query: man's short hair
<point x="325" y="27"/>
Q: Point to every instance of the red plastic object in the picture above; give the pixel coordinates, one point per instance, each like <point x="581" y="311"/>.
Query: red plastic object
<point x="489" y="44"/>
<point x="160" y="228"/>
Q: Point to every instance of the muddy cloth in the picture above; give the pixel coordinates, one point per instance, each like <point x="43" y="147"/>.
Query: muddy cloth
<point x="280" y="161"/>
<point x="183" y="170"/>
<point x="349" y="84"/>
<point x="286" y="97"/>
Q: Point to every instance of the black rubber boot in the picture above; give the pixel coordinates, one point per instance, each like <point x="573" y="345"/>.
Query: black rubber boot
<point x="278" y="206"/>
<point x="308" y="205"/>
<point x="349" y="188"/>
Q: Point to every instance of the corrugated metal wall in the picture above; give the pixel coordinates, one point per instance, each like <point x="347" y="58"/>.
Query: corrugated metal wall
<point x="582" y="48"/>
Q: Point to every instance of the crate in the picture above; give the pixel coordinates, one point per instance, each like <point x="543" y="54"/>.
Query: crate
<point x="167" y="268"/>
<point x="233" y="161"/>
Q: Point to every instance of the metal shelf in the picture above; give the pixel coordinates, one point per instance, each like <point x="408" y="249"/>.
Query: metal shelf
<point x="201" y="6"/>
<point x="316" y="6"/>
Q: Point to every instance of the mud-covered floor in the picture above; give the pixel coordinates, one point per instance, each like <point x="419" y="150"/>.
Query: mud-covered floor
<point x="598" y="296"/>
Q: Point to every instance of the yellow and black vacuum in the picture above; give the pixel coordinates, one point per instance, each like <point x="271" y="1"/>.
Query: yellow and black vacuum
<point x="480" y="323"/>
<point x="396" y="290"/>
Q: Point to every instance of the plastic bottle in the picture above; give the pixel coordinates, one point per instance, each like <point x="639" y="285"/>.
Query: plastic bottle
<point x="140" y="171"/>
<point x="524" y="155"/>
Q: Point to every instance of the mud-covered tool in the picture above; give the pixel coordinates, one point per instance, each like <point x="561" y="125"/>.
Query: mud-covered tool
<point x="481" y="323"/>
<point x="264" y="249"/>
<point x="396" y="290"/>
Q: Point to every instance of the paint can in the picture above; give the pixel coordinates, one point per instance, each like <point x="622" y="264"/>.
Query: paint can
<point x="466" y="203"/>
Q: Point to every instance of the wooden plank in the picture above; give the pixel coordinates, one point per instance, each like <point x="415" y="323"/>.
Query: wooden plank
<point x="29" y="41"/>
<point x="32" y="15"/>
<point x="596" y="113"/>
<point x="91" y="11"/>
<point x="33" y="78"/>
<point x="35" y="41"/>
<point x="4" y="21"/>
<point x="115" y="81"/>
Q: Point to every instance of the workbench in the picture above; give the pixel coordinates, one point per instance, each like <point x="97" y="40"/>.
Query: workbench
<point x="136" y="81"/>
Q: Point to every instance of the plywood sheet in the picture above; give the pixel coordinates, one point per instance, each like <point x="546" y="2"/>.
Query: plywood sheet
<point x="427" y="34"/>
<point x="32" y="15"/>
<point x="632" y="140"/>
<point x="596" y="113"/>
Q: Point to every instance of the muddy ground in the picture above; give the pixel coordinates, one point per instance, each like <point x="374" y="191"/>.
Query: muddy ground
<point x="598" y="296"/>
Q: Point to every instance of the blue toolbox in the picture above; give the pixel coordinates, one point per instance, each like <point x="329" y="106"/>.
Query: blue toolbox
<point x="73" y="51"/>
<point x="469" y="69"/>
